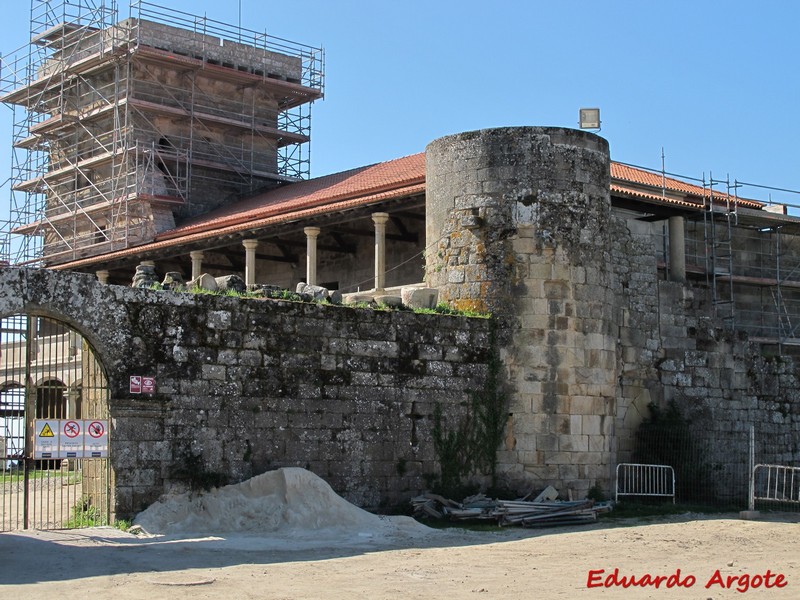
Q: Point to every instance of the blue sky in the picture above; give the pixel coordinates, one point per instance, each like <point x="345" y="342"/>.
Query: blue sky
<point x="715" y="84"/>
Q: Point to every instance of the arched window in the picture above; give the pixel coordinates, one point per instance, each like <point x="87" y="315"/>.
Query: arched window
<point x="51" y="400"/>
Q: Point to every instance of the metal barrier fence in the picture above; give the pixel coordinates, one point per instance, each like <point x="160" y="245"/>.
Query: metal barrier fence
<point x="635" y="479"/>
<point x="714" y="464"/>
<point x="775" y="483"/>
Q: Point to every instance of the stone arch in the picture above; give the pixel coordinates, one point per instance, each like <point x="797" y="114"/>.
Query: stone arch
<point x="56" y="376"/>
<point x="97" y="312"/>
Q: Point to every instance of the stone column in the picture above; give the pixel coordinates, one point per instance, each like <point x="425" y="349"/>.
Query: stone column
<point x="197" y="263"/>
<point x="72" y="408"/>
<point x="102" y="276"/>
<point x="250" y="261"/>
<point x="380" y="220"/>
<point x="677" y="250"/>
<point x="311" y="254"/>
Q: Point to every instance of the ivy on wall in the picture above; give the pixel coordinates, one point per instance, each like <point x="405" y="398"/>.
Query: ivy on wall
<point x="469" y="446"/>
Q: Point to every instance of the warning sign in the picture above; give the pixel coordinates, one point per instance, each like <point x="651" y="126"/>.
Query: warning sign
<point x="96" y="440"/>
<point x="71" y="445"/>
<point x="96" y="429"/>
<point x="72" y="429"/>
<point x="136" y="384"/>
<point x="71" y="438"/>
<point x="47" y="439"/>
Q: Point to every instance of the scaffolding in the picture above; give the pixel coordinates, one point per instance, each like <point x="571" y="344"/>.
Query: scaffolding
<point x="748" y="259"/>
<point x="123" y="126"/>
<point x="720" y="212"/>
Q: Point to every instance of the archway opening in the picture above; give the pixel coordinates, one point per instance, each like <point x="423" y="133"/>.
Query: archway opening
<point x="53" y="391"/>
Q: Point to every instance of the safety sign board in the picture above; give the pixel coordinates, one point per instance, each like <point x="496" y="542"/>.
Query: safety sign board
<point x="71" y="444"/>
<point x="136" y="384"/>
<point x="96" y="439"/>
<point x="47" y="433"/>
<point x="71" y="438"/>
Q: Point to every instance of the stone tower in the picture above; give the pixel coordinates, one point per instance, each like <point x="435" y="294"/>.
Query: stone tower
<point x="517" y="226"/>
<point x="133" y="125"/>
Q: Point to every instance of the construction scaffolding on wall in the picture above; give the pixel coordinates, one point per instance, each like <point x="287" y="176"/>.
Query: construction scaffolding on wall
<point x="122" y="127"/>
<point x="749" y="259"/>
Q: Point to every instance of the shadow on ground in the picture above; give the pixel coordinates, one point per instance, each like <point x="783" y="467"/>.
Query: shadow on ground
<point x="38" y="556"/>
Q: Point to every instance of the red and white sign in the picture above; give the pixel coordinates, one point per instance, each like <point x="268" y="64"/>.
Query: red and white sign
<point x="136" y="384"/>
<point x="96" y="439"/>
<point x="96" y="429"/>
<point x="72" y="429"/>
<point x="71" y="443"/>
<point x="148" y="385"/>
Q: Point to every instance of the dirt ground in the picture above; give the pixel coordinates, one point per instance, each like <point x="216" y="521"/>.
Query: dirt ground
<point x="50" y="504"/>
<point x="514" y="563"/>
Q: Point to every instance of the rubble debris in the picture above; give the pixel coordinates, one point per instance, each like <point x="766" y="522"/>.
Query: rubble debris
<point x="232" y="283"/>
<point x="203" y="282"/>
<point x="318" y="293"/>
<point x="548" y="493"/>
<point x="173" y="281"/>
<point x="542" y="512"/>
<point x="419" y="297"/>
<point x="145" y="277"/>
<point x="390" y="300"/>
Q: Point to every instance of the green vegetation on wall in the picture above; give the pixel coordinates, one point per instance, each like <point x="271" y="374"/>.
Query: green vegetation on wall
<point x="469" y="447"/>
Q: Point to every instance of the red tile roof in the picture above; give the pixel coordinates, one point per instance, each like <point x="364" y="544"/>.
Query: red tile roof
<point x="373" y="184"/>
<point x="623" y="173"/>
<point x="651" y="198"/>
<point x="651" y="179"/>
<point x="363" y="183"/>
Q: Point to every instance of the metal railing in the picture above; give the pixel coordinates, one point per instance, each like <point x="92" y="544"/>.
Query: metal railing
<point x="636" y="479"/>
<point x="312" y="60"/>
<point x="775" y="483"/>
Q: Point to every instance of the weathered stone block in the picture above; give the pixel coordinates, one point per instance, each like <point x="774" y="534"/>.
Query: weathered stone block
<point x="419" y="297"/>
<point x="215" y="372"/>
<point x="218" y="319"/>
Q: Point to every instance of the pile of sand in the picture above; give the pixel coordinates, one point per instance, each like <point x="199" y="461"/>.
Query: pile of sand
<point x="286" y="502"/>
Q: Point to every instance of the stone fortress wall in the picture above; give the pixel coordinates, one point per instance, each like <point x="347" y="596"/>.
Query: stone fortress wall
<point x="587" y="332"/>
<point x="244" y="386"/>
<point x="591" y="334"/>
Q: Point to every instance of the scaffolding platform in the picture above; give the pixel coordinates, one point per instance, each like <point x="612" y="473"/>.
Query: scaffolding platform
<point x="123" y="128"/>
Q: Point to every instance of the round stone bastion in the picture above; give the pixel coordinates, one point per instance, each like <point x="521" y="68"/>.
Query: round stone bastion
<point x="517" y="225"/>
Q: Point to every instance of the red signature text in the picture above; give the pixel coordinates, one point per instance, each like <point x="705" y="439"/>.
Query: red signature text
<point x="599" y="578"/>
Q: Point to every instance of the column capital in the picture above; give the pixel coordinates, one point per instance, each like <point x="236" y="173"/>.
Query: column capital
<point x="380" y="218"/>
<point x="311" y="231"/>
<point x="250" y="244"/>
<point x="196" y="255"/>
<point x="102" y="276"/>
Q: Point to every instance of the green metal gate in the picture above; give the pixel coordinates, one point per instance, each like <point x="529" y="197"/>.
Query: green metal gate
<point x="49" y="374"/>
